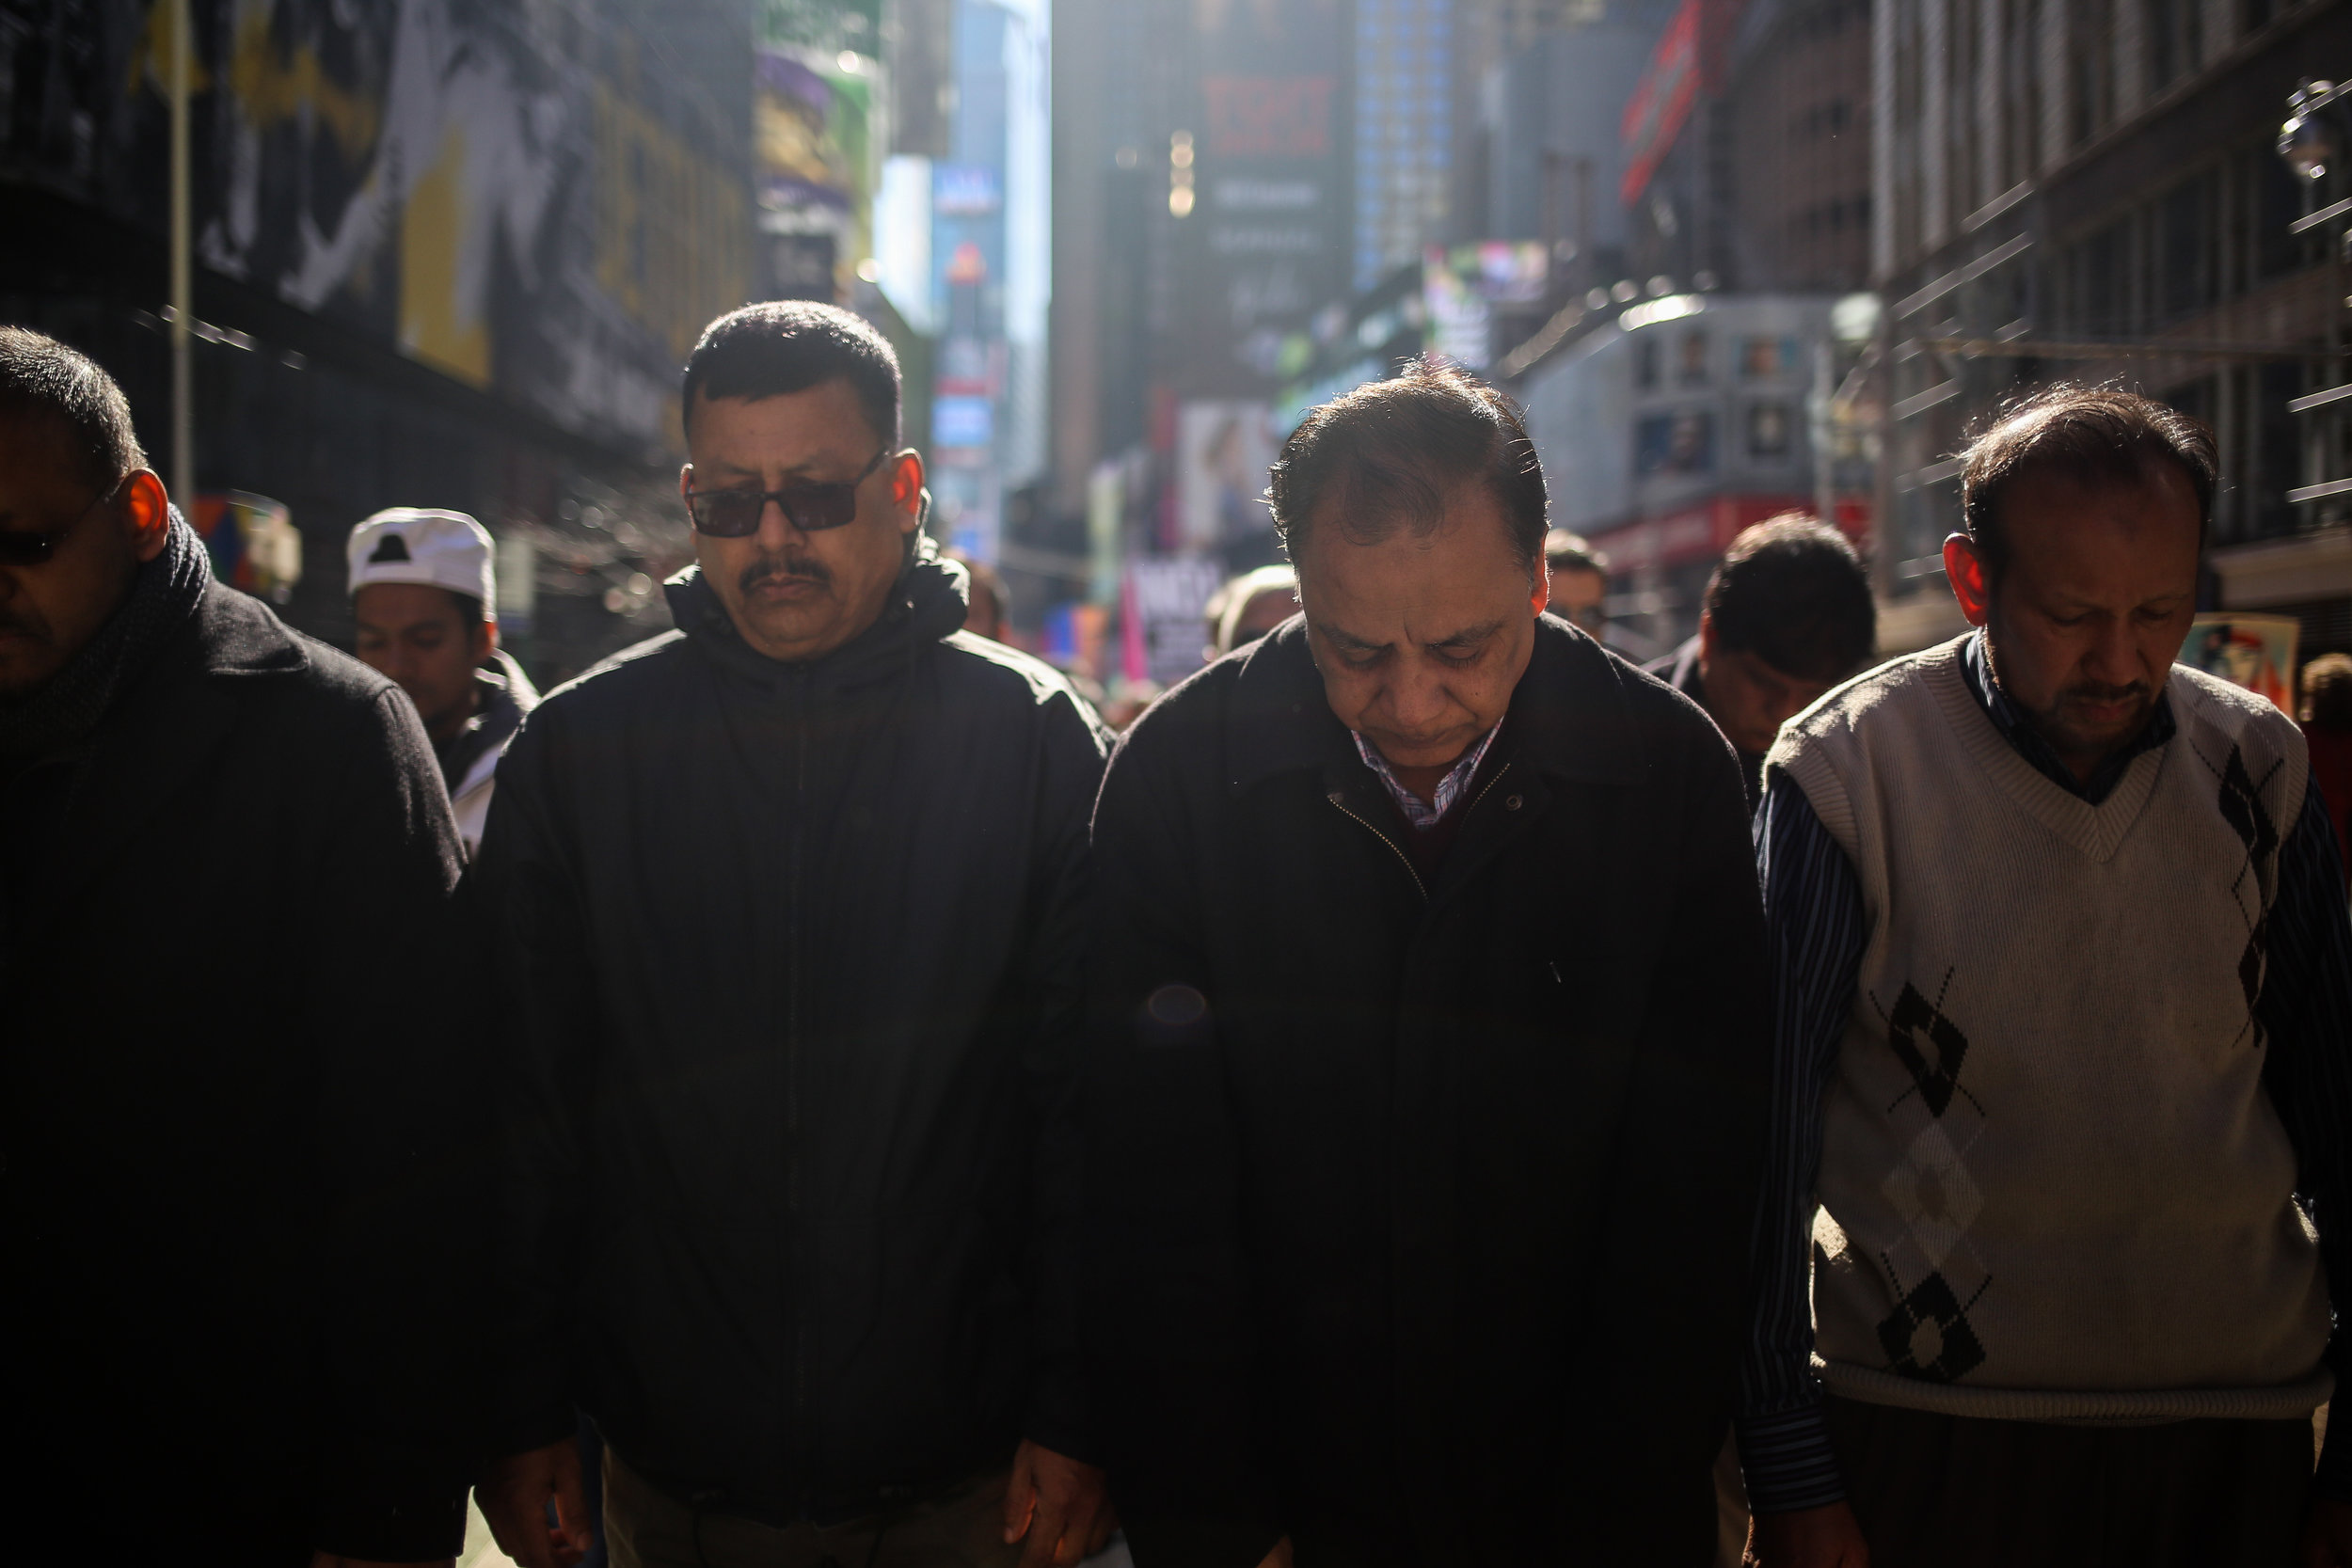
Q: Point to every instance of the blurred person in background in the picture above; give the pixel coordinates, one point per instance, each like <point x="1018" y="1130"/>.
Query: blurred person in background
<point x="788" y="1209"/>
<point x="1247" y="607"/>
<point x="424" y="596"/>
<point x="1580" y="582"/>
<point x="2064" y="1026"/>
<point x="236" y="1100"/>
<point x="989" y="613"/>
<point x="1787" y="614"/>
<point x="1421" y="1195"/>
<point x="2327" y="729"/>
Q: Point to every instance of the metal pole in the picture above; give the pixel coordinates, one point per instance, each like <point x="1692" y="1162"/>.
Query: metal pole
<point x="183" y="286"/>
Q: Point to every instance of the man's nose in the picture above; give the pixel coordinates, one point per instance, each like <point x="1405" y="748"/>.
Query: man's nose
<point x="2114" y="656"/>
<point x="776" y="528"/>
<point x="1416" y="696"/>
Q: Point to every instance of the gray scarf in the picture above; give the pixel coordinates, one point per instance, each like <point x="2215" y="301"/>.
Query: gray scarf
<point x="62" y="714"/>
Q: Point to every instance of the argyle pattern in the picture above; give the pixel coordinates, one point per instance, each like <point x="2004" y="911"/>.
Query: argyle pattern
<point x="1932" y="1272"/>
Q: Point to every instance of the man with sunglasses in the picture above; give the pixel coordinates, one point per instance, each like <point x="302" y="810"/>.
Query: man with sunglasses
<point x="231" y="1109"/>
<point x="789" y="906"/>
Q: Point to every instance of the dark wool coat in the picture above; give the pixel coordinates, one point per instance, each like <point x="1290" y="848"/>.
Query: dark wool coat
<point x="235" y="1096"/>
<point x="1424" y="1243"/>
<point x="793" y="958"/>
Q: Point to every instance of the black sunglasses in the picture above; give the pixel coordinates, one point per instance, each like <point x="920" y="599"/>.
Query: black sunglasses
<point x="19" y="549"/>
<point x="810" y="508"/>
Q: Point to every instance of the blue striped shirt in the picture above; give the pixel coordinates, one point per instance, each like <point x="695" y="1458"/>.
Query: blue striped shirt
<point x="1817" y="929"/>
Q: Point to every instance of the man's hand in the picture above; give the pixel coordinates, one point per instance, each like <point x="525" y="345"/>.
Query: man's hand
<point x="1059" y="1504"/>
<point x="2328" y="1534"/>
<point x="514" y="1492"/>
<point x="1810" y="1538"/>
<point x="328" y="1560"/>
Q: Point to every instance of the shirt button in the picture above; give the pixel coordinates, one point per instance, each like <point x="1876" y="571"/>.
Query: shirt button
<point x="1510" y="802"/>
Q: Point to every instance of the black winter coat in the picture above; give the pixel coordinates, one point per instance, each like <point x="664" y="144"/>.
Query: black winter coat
<point x="793" y="957"/>
<point x="236" y="1091"/>
<point x="1425" y="1244"/>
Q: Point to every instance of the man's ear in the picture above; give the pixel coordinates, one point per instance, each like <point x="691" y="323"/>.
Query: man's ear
<point x="1964" y="568"/>
<point x="485" y="641"/>
<point x="146" y="514"/>
<point x="1706" y="640"/>
<point x="906" y="489"/>
<point x="685" y="479"/>
<point x="1542" y="595"/>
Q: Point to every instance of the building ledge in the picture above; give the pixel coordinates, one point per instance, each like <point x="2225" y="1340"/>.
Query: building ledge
<point x="2291" y="570"/>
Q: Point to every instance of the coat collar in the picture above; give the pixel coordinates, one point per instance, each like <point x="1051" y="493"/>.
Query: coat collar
<point x="167" y="726"/>
<point x="1567" y="716"/>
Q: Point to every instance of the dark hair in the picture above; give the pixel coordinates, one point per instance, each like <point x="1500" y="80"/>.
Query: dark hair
<point x="42" y="378"/>
<point x="2091" y="434"/>
<point x="1389" y="451"/>
<point x="1572" y="552"/>
<point x="2327" y="692"/>
<point x="1793" y="592"/>
<point x="790" y="345"/>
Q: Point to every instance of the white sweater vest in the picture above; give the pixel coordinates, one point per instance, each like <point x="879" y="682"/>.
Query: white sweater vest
<point x="2052" y="1187"/>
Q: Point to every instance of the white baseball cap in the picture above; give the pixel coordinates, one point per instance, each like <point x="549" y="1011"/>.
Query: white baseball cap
<point x="409" y="544"/>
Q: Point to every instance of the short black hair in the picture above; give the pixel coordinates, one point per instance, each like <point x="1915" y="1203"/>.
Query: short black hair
<point x="1793" y="592"/>
<point x="2091" y="434"/>
<point x="1389" y="451"/>
<point x="42" y="378"/>
<point x="790" y="345"/>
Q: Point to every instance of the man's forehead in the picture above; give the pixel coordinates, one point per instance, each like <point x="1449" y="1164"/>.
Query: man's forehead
<point x="817" y="424"/>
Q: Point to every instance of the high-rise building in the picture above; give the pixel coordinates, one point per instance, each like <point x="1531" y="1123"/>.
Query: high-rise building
<point x="1405" y="131"/>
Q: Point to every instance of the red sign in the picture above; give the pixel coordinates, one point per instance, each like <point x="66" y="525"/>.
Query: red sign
<point x="1662" y="102"/>
<point x="1706" y="530"/>
<point x="1268" y="117"/>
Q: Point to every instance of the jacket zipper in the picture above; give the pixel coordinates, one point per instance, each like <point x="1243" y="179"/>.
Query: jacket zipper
<point x="1410" y="870"/>
<point x="1403" y="859"/>
<point x="797" y="1439"/>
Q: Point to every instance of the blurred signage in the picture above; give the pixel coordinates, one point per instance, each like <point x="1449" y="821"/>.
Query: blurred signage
<point x="963" y="421"/>
<point x="1662" y="102"/>
<point x="252" y="542"/>
<point x="2256" y="652"/>
<point x="1268" y="116"/>
<point x="488" y="190"/>
<point x="1168" y="596"/>
<point x="1223" y="451"/>
<point x="966" y="190"/>
<point x="1267" y="245"/>
<point x="815" y="172"/>
<point x="1462" y="284"/>
<point x="1704" y="532"/>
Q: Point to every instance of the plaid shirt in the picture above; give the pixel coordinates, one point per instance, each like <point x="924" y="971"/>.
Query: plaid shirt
<point x="1449" y="789"/>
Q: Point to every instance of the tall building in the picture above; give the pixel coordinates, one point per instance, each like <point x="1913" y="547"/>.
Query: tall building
<point x="2094" y="193"/>
<point x="1405" y="92"/>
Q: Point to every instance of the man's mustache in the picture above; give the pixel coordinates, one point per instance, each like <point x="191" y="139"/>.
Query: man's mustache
<point x="773" y="569"/>
<point x="2088" y="692"/>
<point x="24" y="626"/>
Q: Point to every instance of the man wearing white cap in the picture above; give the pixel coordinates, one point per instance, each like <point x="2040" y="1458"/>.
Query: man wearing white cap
<point x="425" y="596"/>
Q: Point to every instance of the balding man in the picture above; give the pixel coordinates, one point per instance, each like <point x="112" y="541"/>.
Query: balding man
<point x="1422" y="1191"/>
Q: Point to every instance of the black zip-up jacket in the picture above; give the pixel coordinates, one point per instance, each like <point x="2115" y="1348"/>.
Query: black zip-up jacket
<point x="1423" y="1243"/>
<point x="236" y="1091"/>
<point x="791" y="956"/>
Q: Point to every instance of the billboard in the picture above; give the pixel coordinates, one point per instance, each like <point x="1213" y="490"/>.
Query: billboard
<point x="1267" y="195"/>
<point x="1223" y="450"/>
<point x="511" y="192"/>
<point x="814" y="168"/>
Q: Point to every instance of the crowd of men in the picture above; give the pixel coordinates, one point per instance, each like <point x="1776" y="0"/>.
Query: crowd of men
<point x="820" y="1099"/>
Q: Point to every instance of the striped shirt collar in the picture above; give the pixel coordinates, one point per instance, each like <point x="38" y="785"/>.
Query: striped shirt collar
<point x="1449" y="790"/>
<point x="1976" y="671"/>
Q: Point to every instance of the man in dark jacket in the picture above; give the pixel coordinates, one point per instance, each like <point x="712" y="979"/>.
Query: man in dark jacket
<point x="1421" y="1191"/>
<point x="792" y="902"/>
<point x="1787" y="614"/>
<point x="232" y="1107"/>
